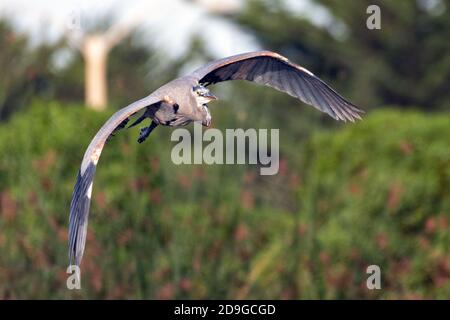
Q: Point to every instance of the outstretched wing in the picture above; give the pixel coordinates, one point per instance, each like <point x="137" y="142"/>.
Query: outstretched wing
<point x="274" y="70"/>
<point x="81" y="198"/>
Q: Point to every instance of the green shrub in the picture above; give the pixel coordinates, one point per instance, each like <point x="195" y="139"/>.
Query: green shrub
<point x="376" y="192"/>
<point x="379" y="193"/>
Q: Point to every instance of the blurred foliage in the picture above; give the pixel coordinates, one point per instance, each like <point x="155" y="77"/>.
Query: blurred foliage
<point x="25" y="68"/>
<point x="406" y="63"/>
<point x="56" y="71"/>
<point x="376" y="192"/>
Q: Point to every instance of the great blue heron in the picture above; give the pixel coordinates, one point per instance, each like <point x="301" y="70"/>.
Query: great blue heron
<point x="184" y="100"/>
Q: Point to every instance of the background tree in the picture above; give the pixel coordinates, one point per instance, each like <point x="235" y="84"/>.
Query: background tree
<point x="373" y="67"/>
<point x="56" y="71"/>
<point x="26" y="71"/>
<point x="95" y="48"/>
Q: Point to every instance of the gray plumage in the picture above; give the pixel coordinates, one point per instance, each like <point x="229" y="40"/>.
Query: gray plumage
<point x="184" y="100"/>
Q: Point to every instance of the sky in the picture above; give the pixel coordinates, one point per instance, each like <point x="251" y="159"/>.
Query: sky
<point x="169" y="24"/>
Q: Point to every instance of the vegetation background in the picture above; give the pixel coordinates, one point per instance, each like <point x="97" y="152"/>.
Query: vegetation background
<point x="346" y="196"/>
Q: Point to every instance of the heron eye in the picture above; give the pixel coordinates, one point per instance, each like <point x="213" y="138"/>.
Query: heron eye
<point x="196" y="90"/>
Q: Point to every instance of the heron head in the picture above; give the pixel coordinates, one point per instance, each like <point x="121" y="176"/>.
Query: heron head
<point x="203" y="95"/>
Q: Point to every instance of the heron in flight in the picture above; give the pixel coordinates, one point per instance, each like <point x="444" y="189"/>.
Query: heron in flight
<point x="185" y="100"/>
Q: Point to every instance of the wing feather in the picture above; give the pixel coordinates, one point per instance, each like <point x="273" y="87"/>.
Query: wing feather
<point x="81" y="198"/>
<point x="252" y="70"/>
<point x="271" y="69"/>
<point x="296" y="89"/>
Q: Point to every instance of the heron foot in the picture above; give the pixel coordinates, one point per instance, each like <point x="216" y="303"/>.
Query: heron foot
<point x="145" y="132"/>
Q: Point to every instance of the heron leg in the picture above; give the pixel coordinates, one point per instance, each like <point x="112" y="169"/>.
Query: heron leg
<point x="145" y="132"/>
<point x="138" y="120"/>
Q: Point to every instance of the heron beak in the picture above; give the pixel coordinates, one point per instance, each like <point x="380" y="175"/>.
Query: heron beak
<point x="210" y="96"/>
